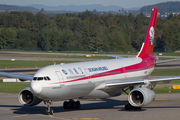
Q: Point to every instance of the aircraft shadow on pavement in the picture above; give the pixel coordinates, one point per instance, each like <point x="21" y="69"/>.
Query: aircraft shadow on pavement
<point x="104" y="104"/>
<point x="18" y="109"/>
<point x="101" y="104"/>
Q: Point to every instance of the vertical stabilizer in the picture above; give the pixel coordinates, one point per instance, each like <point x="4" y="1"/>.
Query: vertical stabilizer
<point x="148" y="43"/>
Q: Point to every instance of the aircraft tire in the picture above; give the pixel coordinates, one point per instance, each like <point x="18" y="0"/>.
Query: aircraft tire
<point x="46" y="111"/>
<point x="78" y="105"/>
<point x="65" y="105"/>
<point x="72" y="105"/>
<point x="128" y="106"/>
<point x="51" y="111"/>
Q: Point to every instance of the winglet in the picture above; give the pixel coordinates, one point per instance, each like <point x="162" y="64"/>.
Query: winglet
<point x="148" y="43"/>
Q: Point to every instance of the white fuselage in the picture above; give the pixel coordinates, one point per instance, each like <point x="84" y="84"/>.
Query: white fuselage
<point x="81" y="80"/>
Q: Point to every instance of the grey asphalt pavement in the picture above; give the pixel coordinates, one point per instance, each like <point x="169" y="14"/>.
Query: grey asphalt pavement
<point x="165" y="107"/>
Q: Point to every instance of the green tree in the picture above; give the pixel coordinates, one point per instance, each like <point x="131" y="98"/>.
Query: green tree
<point x="7" y="38"/>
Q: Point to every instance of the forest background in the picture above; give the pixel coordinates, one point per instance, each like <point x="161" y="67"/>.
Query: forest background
<point x="85" y="32"/>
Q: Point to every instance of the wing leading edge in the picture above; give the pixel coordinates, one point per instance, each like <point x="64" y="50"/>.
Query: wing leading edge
<point x="22" y="77"/>
<point x="123" y="84"/>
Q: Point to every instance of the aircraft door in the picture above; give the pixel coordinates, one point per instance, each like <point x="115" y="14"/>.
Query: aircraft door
<point x="60" y="77"/>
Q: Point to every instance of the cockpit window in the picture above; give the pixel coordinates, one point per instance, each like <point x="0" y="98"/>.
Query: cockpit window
<point x="45" y="78"/>
<point x="40" y="78"/>
<point x="35" y="78"/>
<point x="48" y="78"/>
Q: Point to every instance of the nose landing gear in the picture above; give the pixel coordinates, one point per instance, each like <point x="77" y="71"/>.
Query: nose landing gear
<point x="48" y="110"/>
<point x="71" y="104"/>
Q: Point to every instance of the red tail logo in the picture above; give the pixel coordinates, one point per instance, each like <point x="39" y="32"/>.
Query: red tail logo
<point x="148" y="44"/>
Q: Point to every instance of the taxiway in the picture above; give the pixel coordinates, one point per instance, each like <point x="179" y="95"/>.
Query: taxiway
<point x="166" y="107"/>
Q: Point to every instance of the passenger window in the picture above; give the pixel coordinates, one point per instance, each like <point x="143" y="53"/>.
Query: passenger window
<point x="35" y="78"/>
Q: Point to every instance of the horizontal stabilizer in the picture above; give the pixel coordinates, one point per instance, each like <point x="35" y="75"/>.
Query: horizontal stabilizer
<point x="165" y="61"/>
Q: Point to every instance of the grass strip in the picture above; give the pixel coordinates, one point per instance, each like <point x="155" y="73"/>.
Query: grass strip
<point x="166" y="72"/>
<point x="166" y="54"/>
<point x="13" y="87"/>
<point x="29" y="64"/>
<point x="55" y="56"/>
<point x="172" y="82"/>
<point x="165" y="90"/>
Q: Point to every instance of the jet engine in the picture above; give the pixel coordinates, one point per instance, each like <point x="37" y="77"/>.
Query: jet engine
<point x="27" y="98"/>
<point x="140" y="97"/>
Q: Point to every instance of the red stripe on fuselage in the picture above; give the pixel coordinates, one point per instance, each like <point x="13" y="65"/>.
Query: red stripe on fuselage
<point x="143" y="65"/>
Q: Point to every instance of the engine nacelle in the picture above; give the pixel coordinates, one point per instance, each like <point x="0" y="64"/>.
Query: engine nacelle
<point x="140" y="97"/>
<point x="27" y="98"/>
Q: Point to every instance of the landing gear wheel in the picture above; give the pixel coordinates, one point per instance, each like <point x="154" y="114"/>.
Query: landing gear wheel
<point x="78" y="105"/>
<point x="48" y="110"/>
<point x="65" y="105"/>
<point x="51" y="111"/>
<point x="128" y="106"/>
<point x="74" y="105"/>
<point x="71" y="104"/>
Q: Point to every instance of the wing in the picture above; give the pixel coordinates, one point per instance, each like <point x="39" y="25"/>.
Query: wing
<point x="117" y="57"/>
<point x="123" y="84"/>
<point x="22" y="77"/>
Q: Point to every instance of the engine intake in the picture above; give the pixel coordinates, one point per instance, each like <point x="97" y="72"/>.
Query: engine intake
<point x="27" y="98"/>
<point x="140" y="97"/>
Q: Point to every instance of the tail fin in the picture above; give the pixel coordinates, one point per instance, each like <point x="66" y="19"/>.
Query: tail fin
<point x="148" y="43"/>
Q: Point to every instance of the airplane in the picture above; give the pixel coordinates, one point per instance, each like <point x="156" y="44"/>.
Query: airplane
<point x="96" y="79"/>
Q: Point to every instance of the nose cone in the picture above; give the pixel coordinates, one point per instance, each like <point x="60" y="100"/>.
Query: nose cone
<point x="36" y="87"/>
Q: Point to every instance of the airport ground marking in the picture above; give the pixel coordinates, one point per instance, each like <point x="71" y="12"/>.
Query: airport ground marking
<point x="22" y="115"/>
<point x="53" y="117"/>
<point x="161" y="100"/>
<point x="16" y="116"/>
<point x="5" y="109"/>
<point x="87" y="118"/>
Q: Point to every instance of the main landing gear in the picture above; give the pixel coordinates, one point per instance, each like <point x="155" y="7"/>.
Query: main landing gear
<point x="128" y="106"/>
<point x="48" y="110"/>
<point x="71" y="104"/>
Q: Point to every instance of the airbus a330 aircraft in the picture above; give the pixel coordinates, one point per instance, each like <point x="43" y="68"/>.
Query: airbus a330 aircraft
<point x="96" y="79"/>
